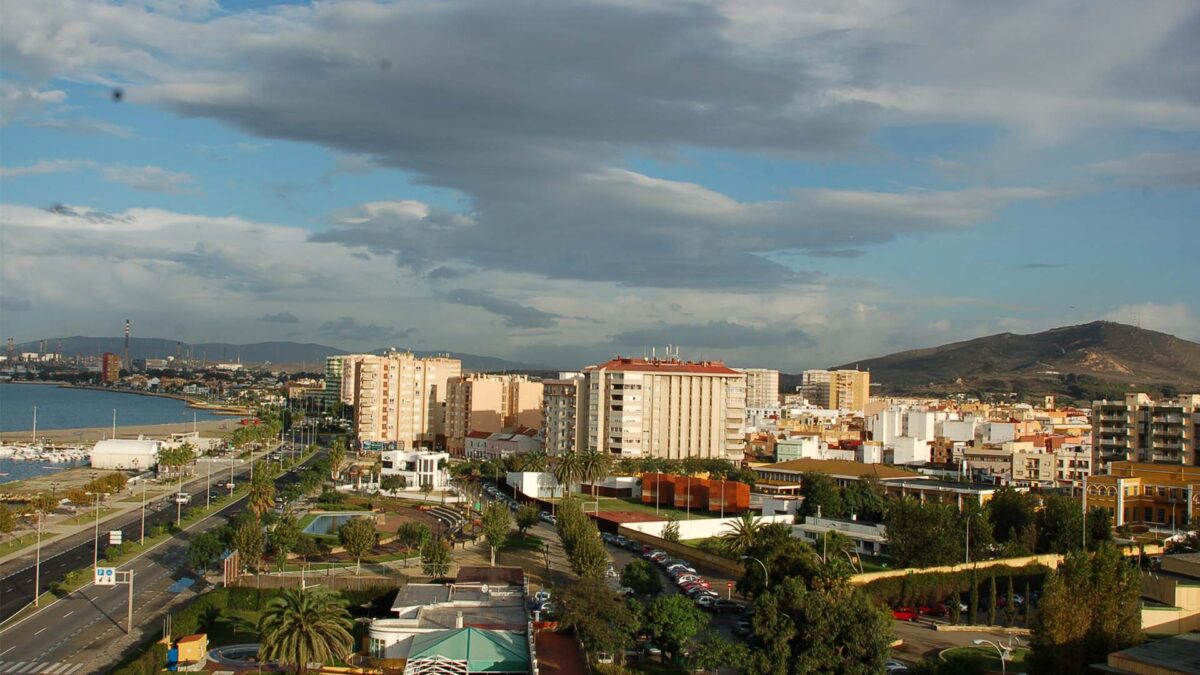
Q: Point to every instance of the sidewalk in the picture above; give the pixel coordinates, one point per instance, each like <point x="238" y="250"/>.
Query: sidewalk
<point x="53" y="532"/>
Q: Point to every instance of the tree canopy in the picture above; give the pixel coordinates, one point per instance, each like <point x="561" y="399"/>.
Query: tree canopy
<point x="358" y="537"/>
<point x="497" y="523"/>
<point x="673" y="620"/>
<point x="602" y="620"/>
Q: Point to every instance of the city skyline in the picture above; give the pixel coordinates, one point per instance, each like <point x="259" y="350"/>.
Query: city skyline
<point x="772" y="187"/>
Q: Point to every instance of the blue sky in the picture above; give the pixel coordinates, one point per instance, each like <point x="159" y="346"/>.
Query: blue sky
<point x="780" y="186"/>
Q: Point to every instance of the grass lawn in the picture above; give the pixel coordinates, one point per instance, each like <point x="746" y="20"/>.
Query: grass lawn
<point x="987" y="657"/>
<point x="528" y="542"/>
<point x="87" y="517"/>
<point x="137" y="498"/>
<point x="234" y="627"/>
<point x="17" y="543"/>
<point x="871" y="563"/>
<point x="634" y="505"/>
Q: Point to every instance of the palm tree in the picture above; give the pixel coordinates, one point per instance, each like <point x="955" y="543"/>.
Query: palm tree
<point x="337" y="457"/>
<point x="593" y="467"/>
<point x="742" y="534"/>
<point x="262" y="494"/>
<point x="566" y="471"/>
<point x="536" y="461"/>
<point x="300" y="627"/>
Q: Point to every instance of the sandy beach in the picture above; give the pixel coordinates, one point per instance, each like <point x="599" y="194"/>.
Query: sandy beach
<point x="206" y="428"/>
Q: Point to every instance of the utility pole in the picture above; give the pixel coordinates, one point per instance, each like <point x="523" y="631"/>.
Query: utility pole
<point x="37" y="570"/>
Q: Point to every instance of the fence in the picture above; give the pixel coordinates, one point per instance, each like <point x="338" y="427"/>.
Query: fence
<point x="700" y="558"/>
<point x="339" y="582"/>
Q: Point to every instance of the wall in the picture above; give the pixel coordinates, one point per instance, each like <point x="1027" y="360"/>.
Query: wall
<point x="700" y="528"/>
<point x="704" y="562"/>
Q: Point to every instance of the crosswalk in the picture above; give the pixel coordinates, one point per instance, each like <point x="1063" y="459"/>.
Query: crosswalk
<point x="38" y="668"/>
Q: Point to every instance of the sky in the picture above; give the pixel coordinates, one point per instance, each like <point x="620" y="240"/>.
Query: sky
<point x="774" y="183"/>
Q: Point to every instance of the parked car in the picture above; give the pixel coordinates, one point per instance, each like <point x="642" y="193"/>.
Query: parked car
<point x="182" y="498"/>
<point x="743" y="627"/>
<point x="904" y="614"/>
<point x="936" y="609"/>
<point x="705" y="601"/>
<point x="724" y="606"/>
<point x="541" y="596"/>
<point x="894" y="666"/>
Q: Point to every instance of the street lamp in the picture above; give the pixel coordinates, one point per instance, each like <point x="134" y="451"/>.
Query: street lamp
<point x="1005" y="651"/>
<point x="37" y="570"/>
<point x="142" y="539"/>
<point x="96" y="540"/>
<point x="764" y="568"/>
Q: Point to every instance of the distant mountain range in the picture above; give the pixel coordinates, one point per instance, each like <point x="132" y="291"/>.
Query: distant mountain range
<point x="308" y="354"/>
<point x="1060" y="360"/>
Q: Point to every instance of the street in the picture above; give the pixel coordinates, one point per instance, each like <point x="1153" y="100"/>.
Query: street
<point x="85" y="631"/>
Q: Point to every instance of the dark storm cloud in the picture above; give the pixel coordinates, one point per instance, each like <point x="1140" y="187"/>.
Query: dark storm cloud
<point x="514" y="314"/>
<point x="348" y="328"/>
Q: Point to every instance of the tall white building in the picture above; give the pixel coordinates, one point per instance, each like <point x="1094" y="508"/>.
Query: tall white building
<point x="339" y="378"/>
<point x="400" y="398"/>
<point x="666" y="408"/>
<point x="762" y="387"/>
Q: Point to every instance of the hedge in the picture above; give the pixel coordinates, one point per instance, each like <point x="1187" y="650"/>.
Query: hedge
<point x="933" y="587"/>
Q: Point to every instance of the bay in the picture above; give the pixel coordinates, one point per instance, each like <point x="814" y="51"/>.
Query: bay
<point x="69" y="408"/>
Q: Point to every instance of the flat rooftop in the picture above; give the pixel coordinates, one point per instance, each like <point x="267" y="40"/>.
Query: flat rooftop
<point x="1178" y="654"/>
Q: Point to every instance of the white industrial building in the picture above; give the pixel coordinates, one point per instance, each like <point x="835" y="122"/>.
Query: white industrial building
<point x="125" y="454"/>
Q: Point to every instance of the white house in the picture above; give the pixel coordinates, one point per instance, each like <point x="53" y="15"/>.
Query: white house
<point x="125" y="454"/>
<point x="417" y="467"/>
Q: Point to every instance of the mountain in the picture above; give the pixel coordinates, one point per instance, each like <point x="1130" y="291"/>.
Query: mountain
<point x="311" y="355"/>
<point x="1052" y="361"/>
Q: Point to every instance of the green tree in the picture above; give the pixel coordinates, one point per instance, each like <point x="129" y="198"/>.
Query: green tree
<point x="567" y="470"/>
<point x="783" y="556"/>
<point x="413" y="535"/>
<point x="1014" y="521"/>
<point x="307" y="547"/>
<point x="536" y="461"/>
<point x="300" y="627"/>
<point x="973" y="599"/>
<point x="923" y="534"/>
<point x="426" y="489"/>
<point x="1059" y="525"/>
<point x="1090" y="607"/>
<point x="864" y="498"/>
<point x="392" y="482"/>
<point x="497" y="523"/>
<point x="589" y="559"/>
<point x="248" y="540"/>
<point x="977" y="531"/>
<point x="673" y="620"/>
<point x="714" y="651"/>
<point x="262" y="493"/>
<point x="1010" y="605"/>
<point x="641" y="576"/>
<point x="337" y="458"/>
<point x="741" y="535"/>
<point x="8" y="522"/>
<point x="670" y="531"/>
<point x="527" y="517"/>
<point x="1100" y="527"/>
<point x="833" y="629"/>
<point x="992" y="600"/>
<point x="436" y="557"/>
<point x="818" y="490"/>
<point x="358" y="537"/>
<point x="593" y="468"/>
<point x="953" y="664"/>
<point x="205" y="549"/>
<point x="602" y="622"/>
<point x="284" y="537"/>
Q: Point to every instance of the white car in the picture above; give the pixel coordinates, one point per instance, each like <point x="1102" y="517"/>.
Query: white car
<point x="894" y="666"/>
<point x="541" y="597"/>
<point x="182" y="498"/>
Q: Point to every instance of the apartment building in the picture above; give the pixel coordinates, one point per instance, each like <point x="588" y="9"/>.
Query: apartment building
<point x="339" y="378"/>
<point x="1165" y="495"/>
<point x="668" y="408"/>
<point x="762" y="387"/>
<point x="1144" y="430"/>
<point x="837" y="389"/>
<point x="564" y="414"/>
<point x="401" y="399"/>
<point x="110" y="368"/>
<point x="490" y="403"/>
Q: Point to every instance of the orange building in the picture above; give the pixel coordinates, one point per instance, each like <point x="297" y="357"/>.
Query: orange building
<point x="728" y="496"/>
<point x="691" y="493"/>
<point x="1144" y="493"/>
<point x="110" y="368"/>
<point x="658" y="488"/>
<point x="718" y="496"/>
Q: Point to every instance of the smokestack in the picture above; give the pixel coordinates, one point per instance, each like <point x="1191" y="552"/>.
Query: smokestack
<point x="128" y="363"/>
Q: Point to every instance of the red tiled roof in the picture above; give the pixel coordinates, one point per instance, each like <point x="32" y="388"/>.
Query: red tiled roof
<point x="478" y="434"/>
<point x="665" y="366"/>
<point x="192" y="638"/>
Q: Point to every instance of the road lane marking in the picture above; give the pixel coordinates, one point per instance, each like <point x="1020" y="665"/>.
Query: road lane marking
<point x="8" y="650"/>
<point x="40" y="630"/>
<point x="68" y="614"/>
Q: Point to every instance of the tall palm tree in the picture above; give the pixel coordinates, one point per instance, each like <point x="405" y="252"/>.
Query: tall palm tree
<point x="742" y="534"/>
<point x="594" y="467"/>
<point x="262" y="494"/>
<point x="300" y="627"/>
<point x="566" y="471"/>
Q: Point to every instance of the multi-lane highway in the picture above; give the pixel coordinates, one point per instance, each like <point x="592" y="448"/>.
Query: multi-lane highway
<point x="85" y="631"/>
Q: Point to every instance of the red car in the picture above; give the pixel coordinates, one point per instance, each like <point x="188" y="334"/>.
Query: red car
<point x="936" y="609"/>
<point x="904" y="614"/>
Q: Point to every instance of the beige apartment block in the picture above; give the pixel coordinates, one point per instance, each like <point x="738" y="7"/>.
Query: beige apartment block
<point x="837" y="389"/>
<point x="1142" y="429"/>
<point x="762" y="387"/>
<point x="400" y="398"/>
<point x="564" y="415"/>
<point x="668" y="408"/>
<point x="489" y="403"/>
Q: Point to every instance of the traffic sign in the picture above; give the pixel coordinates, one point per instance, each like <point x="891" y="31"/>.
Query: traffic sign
<point x="106" y="576"/>
<point x="114" y="537"/>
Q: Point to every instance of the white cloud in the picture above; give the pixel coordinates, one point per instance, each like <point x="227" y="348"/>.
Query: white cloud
<point x="46" y="166"/>
<point x="1178" y="319"/>
<point x="1152" y="169"/>
<point x="151" y="179"/>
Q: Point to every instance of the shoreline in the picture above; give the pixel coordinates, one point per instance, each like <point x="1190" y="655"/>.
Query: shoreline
<point x="207" y="428"/>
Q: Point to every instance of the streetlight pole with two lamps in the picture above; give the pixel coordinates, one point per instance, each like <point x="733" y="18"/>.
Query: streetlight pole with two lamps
<point x="1004" y="651"/>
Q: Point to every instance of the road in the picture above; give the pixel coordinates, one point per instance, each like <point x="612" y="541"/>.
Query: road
<point x="77" y="551"/>
<point x="85" y="631"/>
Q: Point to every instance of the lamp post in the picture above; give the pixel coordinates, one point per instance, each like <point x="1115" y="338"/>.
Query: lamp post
<point x="208" y="486"/>
<point x="761" y="563"/>
<point x="178" y="503"/>
<point x="142" y="538"/>
<point x="1005" y="651"/>
<point x="37" y="570"/>
<point x="96" y="533"/>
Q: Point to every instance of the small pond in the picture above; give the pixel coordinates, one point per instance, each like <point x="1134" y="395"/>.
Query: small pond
<point x="328" y="523"/>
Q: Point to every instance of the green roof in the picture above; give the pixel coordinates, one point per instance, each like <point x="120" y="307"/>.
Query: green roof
<point x="484" y="651"/>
